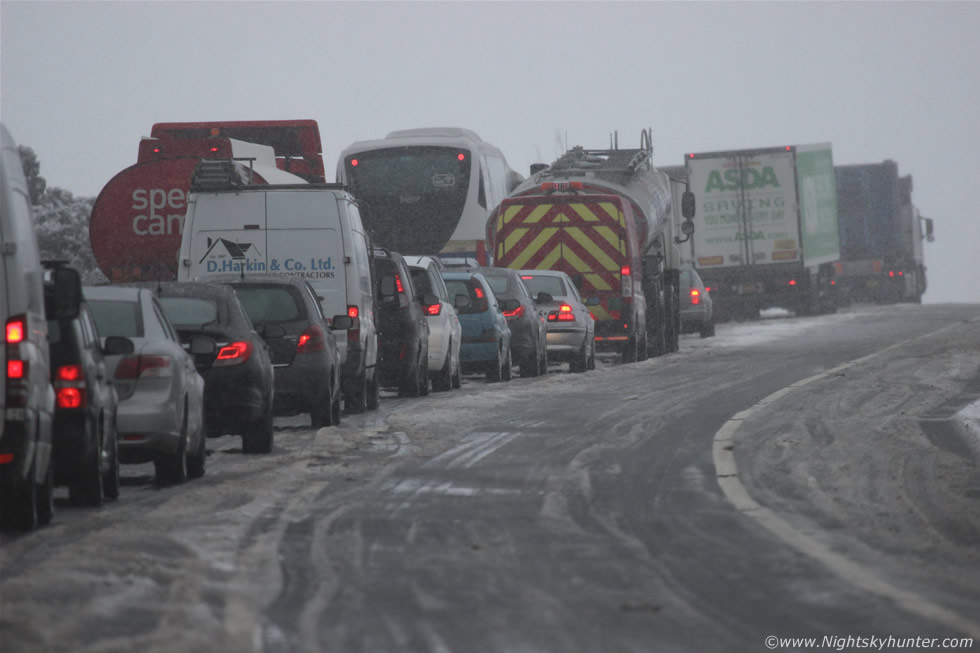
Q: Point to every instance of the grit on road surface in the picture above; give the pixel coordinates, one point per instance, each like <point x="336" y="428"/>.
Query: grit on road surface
<point x="564" y="513"/>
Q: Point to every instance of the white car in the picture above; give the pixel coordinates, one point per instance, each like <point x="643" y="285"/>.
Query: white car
<point x="160" y="417"/>
<point x="445" y="334"/>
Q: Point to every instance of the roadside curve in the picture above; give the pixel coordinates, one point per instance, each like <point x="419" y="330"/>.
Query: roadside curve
<point x="852" y="572"/>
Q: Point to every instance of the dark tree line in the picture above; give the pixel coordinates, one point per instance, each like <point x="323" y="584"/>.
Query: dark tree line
<point x="61" y="221"/>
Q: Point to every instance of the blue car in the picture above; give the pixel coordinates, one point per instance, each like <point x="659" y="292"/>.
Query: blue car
<point x="485" y="345"/>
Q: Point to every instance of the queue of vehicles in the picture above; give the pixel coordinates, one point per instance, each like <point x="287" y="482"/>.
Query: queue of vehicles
<point x="244" y="286"/>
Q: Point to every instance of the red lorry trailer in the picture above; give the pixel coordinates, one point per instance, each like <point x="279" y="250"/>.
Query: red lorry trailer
<point x="137" y="218"/>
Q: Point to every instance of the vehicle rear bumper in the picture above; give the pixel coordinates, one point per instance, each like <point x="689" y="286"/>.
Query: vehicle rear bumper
<point x="301" y="384"/>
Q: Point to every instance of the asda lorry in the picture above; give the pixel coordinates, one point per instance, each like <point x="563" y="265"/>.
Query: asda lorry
<point x="767" y="228"/>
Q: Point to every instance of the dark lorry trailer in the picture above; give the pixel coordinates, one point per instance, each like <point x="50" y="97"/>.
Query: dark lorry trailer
<point x="881" y="234"/>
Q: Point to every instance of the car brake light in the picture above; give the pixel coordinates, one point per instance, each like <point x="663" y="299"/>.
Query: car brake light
<point x="15" y="330"/>
<point x="136" y="367"/>
<point x="478" y="291"/>
<point x="69" y="387"/>
<point x="398" y="285"/>
<point x="233" y="354"/>
<point x="16" y="369"/>
<point x="792" y="282"/>
<point x="434" y="309"/>
<point x="564" y="314"/>
<point x="311" y="340"/>
<point x="353" y="312"/>
<point x="707" y="289"/>
<point x="514" y="314"/>
<point x="6" y="458"/>
<point x="695" y="296"/>
<point x="624" y="271"/>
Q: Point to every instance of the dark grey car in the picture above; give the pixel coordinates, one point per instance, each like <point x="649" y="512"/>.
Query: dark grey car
<point x="286" y="312"/>
<point x="529" y="333"/>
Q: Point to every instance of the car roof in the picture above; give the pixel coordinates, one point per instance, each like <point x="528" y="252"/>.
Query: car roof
<point x="423" y="261"/>
<point x="190" y="289"/>
<point x="127" y="293"/>
<point x="273" y="279"/>
<point x="545" y="273"/>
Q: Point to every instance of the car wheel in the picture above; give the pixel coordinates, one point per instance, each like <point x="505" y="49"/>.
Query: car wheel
<point x="530" y="365"/>
<point x="580" y="363"/>
<point x="411" y="385"/>
<point x="321" y="411"/>
<point x="18" y="509"/>
<point x="44" y="499"/>
<point x="591" y="353"/>
<point x="172" y="469"/>
<point x="258" y="436"/>
<point x="443" y="380"/>
<point x="631" y="350"/>
<point x="197" y="461"/>
<point x="424" y="383"/>
<point x="508" y="371"/>
<point x="86" y="488"/>
<point x="495" y="371"/>
<point x="110" y="480"/>
<point x="458" y="376"/>
<point x="544" y="361"/>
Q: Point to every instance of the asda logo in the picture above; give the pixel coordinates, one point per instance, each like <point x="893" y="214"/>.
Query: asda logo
<point x="744" y="178"/>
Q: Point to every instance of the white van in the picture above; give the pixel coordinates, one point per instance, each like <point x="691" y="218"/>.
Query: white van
<point x="26" y="396"/>
<point x="312" y="231"/>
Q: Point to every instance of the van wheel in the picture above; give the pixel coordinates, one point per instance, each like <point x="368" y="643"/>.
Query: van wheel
<point x="373" y="390"/>
<point x="458" y="376"/>
<point x="356" y="401"/>
<point x="335" y="407"/>
<point x="411" y="386"/>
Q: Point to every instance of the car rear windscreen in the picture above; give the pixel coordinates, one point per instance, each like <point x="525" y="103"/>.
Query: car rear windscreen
<point x="266" y="304"/>
<point x="117" y="318"/>
<point x="190" y="311"/>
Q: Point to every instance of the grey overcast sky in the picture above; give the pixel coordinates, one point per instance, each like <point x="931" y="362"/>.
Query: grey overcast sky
<point x="81" y="82"/>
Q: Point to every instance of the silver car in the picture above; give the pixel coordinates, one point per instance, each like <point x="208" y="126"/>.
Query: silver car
<point x="161" y="394"/>
<point x="570" y="325"/>
<point x="696" y="312"/>
<point x="445" y="333"/>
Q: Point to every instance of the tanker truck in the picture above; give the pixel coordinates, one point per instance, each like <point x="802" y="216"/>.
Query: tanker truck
<point x="605" y="218"/>
<point x="137" y="218"/>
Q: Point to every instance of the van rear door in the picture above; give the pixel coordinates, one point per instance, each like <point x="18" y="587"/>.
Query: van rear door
<point x="305" y="240"/>
<point x="228" y="234"/>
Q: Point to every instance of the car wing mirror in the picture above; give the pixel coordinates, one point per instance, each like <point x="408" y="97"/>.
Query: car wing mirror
<point x="269" y="330"/>
<point x="510" y="304"/>
<point x="202" y="345"/>
<point x="341" y="322"/>
<point x="116" y="345"/>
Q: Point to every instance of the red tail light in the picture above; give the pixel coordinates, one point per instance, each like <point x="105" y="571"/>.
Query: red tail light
<point x="6" y="458"/>
<point x="16" y="369"/>
<point x="625" y="271"/>
<point x="514" y="314"/>
<point x="15" y="330"/>
<point x="353" y="312"/>
<point x="233" y="354"/>
<point x="311" y="340"/>
<point x="563" y="314"/>
<point x="707" y="289"/>
<point x="354" y="332"/>
<point x="69" y="387"/>
<point x="434" y="309"/>
<point x="792" y="282"/>
<point x="695" y="296"/>
<point x="135" y="367"/>
<point x="398" y="285"/>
